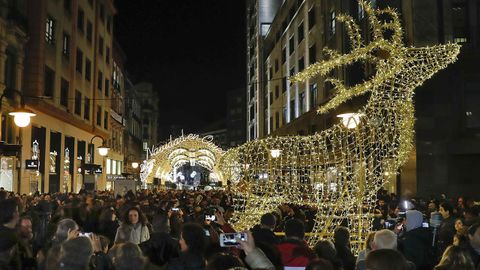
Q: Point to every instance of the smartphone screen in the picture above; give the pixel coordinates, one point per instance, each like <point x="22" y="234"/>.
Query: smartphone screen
<point x="210" y="217"/>
<point x="230" y="239"/>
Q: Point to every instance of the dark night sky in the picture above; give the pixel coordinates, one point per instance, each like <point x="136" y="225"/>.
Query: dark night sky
<point x="192" y="50"/>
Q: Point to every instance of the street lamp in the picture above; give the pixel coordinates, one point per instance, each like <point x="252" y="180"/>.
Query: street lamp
<point x="103" y="149"/>
<point x="275" y="153"/>
<point x="134" y="163"/>
<point x="350" y="120"/>
<point x="21" y="115"/>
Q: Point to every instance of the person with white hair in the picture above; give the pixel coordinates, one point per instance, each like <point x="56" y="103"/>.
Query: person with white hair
<point x="383" y="239"/>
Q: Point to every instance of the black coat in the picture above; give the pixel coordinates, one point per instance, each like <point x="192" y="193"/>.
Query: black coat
<point x="160" y="248"/>
<point x="446" y="231"/>
<point x="345" y="255"/>
<point x="187" y="262"/>
<point x="416" y="246"/>
<point x="264" y="235"/>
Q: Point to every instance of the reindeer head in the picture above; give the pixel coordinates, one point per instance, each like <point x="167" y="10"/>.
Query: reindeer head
<point x="385" y="51"/>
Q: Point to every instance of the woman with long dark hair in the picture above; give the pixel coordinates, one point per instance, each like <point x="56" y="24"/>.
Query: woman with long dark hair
<point x="192" y="245"/>
<point x="136" y="224"/>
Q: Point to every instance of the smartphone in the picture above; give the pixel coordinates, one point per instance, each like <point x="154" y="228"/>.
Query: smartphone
<point x="231" y="239"/>
<point x="210" y="217"/>
<point x="425" y="225"/>
<point x="175" y="209"/>
<point x="388" y="225"/>
<point x="85" y="234"/>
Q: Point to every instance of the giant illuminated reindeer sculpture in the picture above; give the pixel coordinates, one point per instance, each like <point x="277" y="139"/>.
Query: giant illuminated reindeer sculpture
<point x="339" y="170"/>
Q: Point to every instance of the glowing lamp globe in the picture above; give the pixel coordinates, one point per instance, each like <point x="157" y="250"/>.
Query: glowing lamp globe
<point x="21" y="117"/>
<point x="103" y="150"/>
<point x="134" y="165"/>
<point x="275" y="153"/>
<point x="350" y="120"/>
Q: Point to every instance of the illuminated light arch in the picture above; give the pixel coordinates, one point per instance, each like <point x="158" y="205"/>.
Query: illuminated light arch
<point x="191" y="149"/>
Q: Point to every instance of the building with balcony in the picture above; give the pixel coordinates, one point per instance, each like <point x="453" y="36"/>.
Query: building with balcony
<point x="68" y="69"/>
<point x="447" y="127"/>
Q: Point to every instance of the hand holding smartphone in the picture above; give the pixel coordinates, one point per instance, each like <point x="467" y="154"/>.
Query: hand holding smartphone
<point x="232" y="239"/>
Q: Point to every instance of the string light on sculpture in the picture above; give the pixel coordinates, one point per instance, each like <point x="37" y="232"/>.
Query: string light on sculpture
<point x="339" y="170"/>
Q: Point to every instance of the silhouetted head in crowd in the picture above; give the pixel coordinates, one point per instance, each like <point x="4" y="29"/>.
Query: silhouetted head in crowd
<point x="9" y="214"/>
<point x="192" y="239"/>
<point x="161" y="223"/>
<point x="325" y="250"/>
<point x="386" y="259"/>
<point x="223" y="261"/>
<point x="128" y="256"/>
<point x="3" y="195"/>
<point x="268" y="220"/>
<point x="341" y="236"/>
<point x="75" y="254"/>
<point x="294" y="228"/>
<point x="123" y="234"/>
<point x="471" y="215"/>
<point x="65" y="227"/>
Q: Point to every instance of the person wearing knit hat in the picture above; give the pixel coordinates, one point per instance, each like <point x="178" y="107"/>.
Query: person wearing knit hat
<point x="416" y="243"/>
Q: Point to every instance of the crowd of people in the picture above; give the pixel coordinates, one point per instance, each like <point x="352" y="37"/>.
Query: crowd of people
<point x="163" y="229"/>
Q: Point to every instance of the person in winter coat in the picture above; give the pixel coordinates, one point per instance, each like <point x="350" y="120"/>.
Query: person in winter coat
<point x="416" y="242"/>
<point x="446" y="231"/>
<point x="294" y="250"/>
<point x="135" y="223"/>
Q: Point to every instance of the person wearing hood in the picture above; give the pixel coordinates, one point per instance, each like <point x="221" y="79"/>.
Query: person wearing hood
<point x="416" y="242"/>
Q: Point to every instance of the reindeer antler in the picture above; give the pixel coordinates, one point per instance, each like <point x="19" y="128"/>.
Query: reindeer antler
<point x="360" y="52"/>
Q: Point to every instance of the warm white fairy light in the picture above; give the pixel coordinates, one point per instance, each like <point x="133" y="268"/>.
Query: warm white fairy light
<point x="339" y="171"/>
